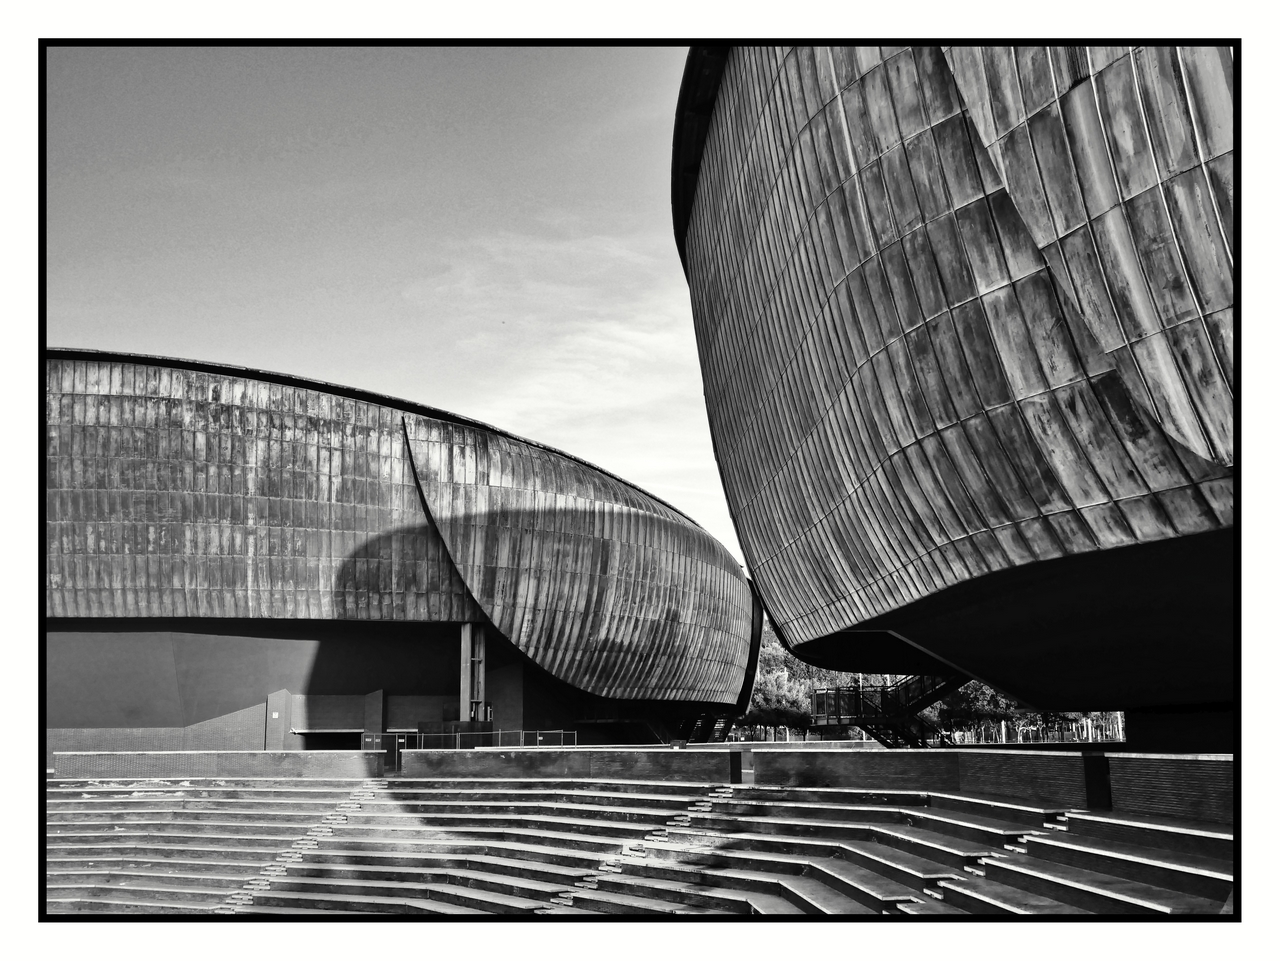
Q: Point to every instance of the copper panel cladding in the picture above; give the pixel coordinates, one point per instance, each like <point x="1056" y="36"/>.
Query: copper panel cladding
<point x="205" y="492"/>
<point x="174" y="492"/>
<point x="602" y="585"/>
<point x="962" y="310"/>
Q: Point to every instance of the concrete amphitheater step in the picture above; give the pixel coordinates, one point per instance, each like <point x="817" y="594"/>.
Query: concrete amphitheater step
<point x="942" y="848"/>
<point x="185" y="826"/>
<point x="798" y="810"/>
<point x="247" y="867"/>
<point x="977" y="895"/>
<point x="544" y="795"/>
<point x="540" y="843"/>
<point x="697" y="889"/>
<point x="113" y="904"/>
<point x="375" y="811"/>
<point x="144" y="850"/>
<point x="160" y="899"/>
<point x="965" y="826"/>
<point x="439" y="899"/>
<point x="182" y="783"/>
<point x="911" y="870"/>
<point x="207" y="895"/>
<point x="416" y="852"/>
<point x="844" y="878"/>
<point x="1189" y="873"/>
<point x="830" y="795"/>
<point x="930" y="907"/>
<point x="553" y="784"/>
<point x="1210" y="840"/>
<point x="197" y="845"/>
<point x="409" y="825"/>
<point x="496" y="894"/>
<point x="995" y="808"/>
<point x="337" y="863"/>
<point x="189" y="815"/>
<point x="68" y="808"/>
<point x="1095" y="892"/>
<point x="183" y="874"/>
<point x="566" y="847"/>
<point x="118" y="906"/>
<point x="766" y="893"/>
<point x="916" y="872"/>
<point x="617" y="902"/>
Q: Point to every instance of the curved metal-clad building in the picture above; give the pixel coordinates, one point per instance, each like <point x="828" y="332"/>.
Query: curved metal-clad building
<point x="965" y="319"/>
<point x="219" y="537"/>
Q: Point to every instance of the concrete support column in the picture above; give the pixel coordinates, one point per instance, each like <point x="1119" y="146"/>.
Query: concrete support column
<point x="471" y="680"/>
<point x="277" y="736"/>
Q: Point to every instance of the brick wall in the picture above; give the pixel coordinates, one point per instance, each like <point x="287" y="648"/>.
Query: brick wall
<point x="906" y="770"/>
<point x="1048" y="778"/>
<point x="1195" y="787"/>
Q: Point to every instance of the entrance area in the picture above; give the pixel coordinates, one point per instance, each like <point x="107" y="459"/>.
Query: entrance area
<point x="330" y="740"/>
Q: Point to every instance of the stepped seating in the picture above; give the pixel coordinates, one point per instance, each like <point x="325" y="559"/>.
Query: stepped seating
<point x="564" y="847"/>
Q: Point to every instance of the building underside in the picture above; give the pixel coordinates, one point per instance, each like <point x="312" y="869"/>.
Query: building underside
<point x="966" y="324"/>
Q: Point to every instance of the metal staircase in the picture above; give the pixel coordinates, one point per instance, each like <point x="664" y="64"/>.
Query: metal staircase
<point x="889" y="713"/>
<point x="706" y="729"/>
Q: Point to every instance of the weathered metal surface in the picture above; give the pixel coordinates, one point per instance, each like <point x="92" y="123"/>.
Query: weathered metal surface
<point x="960" y="311"/>
<point x="597" y="582"/>
<point x="1119" y="163"/>
<point x="196" y="491"/>
<point x="184" y="493"/>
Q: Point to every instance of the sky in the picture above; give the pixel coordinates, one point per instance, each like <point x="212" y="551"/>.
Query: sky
<point x="484" y="230"/>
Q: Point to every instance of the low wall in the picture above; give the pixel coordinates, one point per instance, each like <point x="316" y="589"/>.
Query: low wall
<point x="1197" y="787"/>
<point x="792" y="746"/>
<point x="122" y="764"/>
<point x="617" y="764"/>
<point x="1056" y="778"/>
<point x="1059" y="778"/>
<point x="928" y="770"/>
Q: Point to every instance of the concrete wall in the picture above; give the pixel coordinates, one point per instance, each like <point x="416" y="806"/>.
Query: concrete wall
<point x="356" y="764"/>
<point x="1196" y="787"/>
<point x="907" y="770"/>
<point x="1051" y="779"/>
<point x="174" y="678"/>
<point x="237" y="731"/>
<point x="621" y="764"/>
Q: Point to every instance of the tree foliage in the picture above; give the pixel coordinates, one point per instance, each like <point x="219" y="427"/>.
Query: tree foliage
<point x="973" y="704"/>
<point x="784" y="685"/>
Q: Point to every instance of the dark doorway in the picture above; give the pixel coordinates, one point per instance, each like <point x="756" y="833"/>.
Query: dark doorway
<point x="331" y="741"/>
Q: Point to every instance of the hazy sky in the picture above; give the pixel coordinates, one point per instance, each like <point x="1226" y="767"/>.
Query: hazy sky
<point x="487" y="231"/>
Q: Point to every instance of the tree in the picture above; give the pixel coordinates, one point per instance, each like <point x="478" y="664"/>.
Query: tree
<point x="778" y="700"/>
<point x="973" y="704"/>
<point x="784" y="686"/>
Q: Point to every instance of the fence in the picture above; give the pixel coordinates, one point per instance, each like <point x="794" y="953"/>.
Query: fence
<point x="1100" y="728"/>
<point x="1096" y="728"/>
<point x="770" y="733"/>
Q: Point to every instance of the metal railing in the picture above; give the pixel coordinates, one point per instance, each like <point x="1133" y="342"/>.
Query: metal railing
<point x="842" y="711"/>
<point x="830" y="705"/>
<point x="395" y="743"/>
